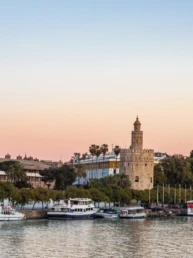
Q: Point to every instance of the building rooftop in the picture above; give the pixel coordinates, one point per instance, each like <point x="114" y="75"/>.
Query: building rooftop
<point x="29" y="164"/>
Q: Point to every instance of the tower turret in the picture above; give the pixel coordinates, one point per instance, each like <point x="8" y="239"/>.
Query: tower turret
<point x="137" y="137"/>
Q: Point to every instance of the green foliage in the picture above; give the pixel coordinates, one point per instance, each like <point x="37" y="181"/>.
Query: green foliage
<point x="120" y="180"/>
<point x="14" y="170"/>
<point x="25" y="196"/>
<point x="97" y="195"/>
<point x="6" y="189"/>
<point x="114" y="188"/>
<point x="74" y="192"/>
<point x="5" y="165"/>
<point x="159" y="176"/>
<point x="63" y="176"/>
<point x="80" y="171"/>
<point x="177" y="171"/>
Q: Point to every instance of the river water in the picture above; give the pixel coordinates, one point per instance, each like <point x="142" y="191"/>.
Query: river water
<point x="151" y="237"/>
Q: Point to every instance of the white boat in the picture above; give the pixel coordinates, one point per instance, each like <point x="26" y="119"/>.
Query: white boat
<point x="7" y="213"/>
<point x="74" y="208"/>
<point x="135" y="212"/>
<point x="190" y="208"/>
<point x="107" y="213"/>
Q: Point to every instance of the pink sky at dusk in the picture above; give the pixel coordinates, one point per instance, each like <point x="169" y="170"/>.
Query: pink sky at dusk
<point x="72" y="78"/>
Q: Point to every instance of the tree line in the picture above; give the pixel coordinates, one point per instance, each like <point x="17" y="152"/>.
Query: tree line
<point x="174" y="171"/>
<point x="173" y="182"/>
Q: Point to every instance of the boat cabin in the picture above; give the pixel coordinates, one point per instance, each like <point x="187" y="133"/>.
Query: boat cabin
<point x="190" y="208"/>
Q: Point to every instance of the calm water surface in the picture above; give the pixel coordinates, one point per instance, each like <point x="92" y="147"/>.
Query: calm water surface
<point x="166" y="237"/>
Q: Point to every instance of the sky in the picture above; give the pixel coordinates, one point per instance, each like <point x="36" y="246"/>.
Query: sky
<point x="75" y="73"/>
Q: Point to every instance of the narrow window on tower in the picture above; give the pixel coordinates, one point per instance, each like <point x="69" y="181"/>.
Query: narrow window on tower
<point x="136" y="179"/>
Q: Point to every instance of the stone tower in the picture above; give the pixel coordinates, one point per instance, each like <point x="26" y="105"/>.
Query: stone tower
<point x="137" y="162"/>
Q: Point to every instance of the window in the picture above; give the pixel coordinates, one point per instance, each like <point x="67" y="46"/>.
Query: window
<point x="128" y="164"/>
<point x="151" y="180"/>
<point x="136" y="179"/>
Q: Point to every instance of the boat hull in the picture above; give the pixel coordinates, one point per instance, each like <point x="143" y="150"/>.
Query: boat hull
<point x="69" y="216"/>
<point x="11" y="217"/>
<point x="107" y="214"/>
<point x="130" y="216"/>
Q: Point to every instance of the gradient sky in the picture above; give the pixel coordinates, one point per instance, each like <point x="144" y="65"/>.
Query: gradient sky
<point x="78" y="72"/>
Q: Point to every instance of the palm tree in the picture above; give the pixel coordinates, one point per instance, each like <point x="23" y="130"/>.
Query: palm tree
<point x="116" y="150"/>
<point x="92" y="150"/>
<point x="80" y="170"/>
<point x="104" y="150"/>
<point x="98" y="153"/>
<point x="76" y="157"/>
<point x="84" y="156"/>
<point x="16" y="172"/>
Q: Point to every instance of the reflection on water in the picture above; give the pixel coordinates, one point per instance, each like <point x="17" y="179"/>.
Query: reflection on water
<point x="163" y="237"/>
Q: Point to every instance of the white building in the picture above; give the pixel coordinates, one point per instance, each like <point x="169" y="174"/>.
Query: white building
<point x="97" y="168"/>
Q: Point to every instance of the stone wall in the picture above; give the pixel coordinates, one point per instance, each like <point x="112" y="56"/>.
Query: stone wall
<point x="34" y="214"/>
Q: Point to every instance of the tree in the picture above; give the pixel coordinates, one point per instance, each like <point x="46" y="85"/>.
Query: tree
<point x="74" y="192"/>
<point x="125" y="195"/>
<point x="84" y="156"/>
<point x="116" y="150"/>
<point x="177" y="171"/>
<point x="104" y="150"/>
<point x="6" y="189"/>
<point x="76" y="157"/>
<point x="64" y="177"/>
<point x="159" y="177"/>
<point x="42" y="195"/>
<point x="48" y="176"/>
<point x="92" y="150"/>
<point x="191" y="154"/>
<point x="16" y="172"/>
<point x="98" y="153"/>
<point x="80" y="170"/>
<point x="25" y="196"/>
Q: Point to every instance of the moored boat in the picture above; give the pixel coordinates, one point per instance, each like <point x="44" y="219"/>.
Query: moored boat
<point x="135" y="212"/>
<point x="107" y="213"/>
<point x="74" y="208"/>
<point x="190" y="208"/>
<point x="7" y="213"/>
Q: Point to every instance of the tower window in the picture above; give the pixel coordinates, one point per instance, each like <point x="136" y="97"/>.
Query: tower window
<point x="128" y="164"/>
<point x="151" y="180"/>
<point x="136" y="179"/>
<point x="146" y="164"/>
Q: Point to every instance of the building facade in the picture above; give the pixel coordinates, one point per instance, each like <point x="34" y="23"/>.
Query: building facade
<point x="136" y="162"/>
<point x="32" y="167"/>
<point x="100" y="167"/>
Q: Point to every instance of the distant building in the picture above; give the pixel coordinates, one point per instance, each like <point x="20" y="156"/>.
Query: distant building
<point x="32" y="167"/>
<point x="136" y="162"/>
<point x="53" y="164"/>
<point x="158" y="156"/>
<point x="100" y="167"/>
